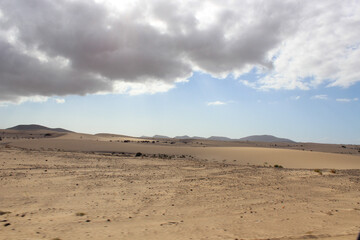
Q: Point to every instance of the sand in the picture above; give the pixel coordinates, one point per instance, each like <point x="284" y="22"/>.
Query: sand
<point x="289" y="158"/>
<point x="91" y="188"/>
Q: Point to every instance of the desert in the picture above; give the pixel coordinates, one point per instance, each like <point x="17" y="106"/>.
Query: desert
<point x="57" y="185"/>
<point x="172" y="120"/>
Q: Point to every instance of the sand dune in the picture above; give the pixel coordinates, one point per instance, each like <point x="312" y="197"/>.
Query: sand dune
<point x="234" y="155"/>
<point x="82" y="186"/>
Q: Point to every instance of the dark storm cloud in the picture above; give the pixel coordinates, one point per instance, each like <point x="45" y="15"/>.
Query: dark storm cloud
<point x="24" y="76"/>
<point x="81" y="47"/>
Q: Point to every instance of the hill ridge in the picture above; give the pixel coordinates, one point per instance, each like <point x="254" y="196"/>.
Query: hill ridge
<point x="29" y="127"/>
<point x="252" y="138"/>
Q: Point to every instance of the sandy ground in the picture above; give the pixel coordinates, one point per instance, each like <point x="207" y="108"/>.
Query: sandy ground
<point x="51" y="190"/>
<point x="14" y="135"/>
<point x="288" y="158"/>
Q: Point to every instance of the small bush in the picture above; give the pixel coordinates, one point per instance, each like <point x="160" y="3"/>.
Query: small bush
<point x="4" y="212"/>
<point x="80" y="214"/>
<point x="333" y="171"/>
<point x="138" y="154"/>
<point x="318" y="171"/>
<point x="278" y="166"/>
<point x="163" y="156"/>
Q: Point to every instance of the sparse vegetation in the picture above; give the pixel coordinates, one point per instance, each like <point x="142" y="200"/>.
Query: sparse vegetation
<point x="138" y="154"/>
<point x="80" y="214"/>
<point x="333" y="171"/>
<point x="163" y="156"/>
<point x="318" y="171"/>
<point x="4" y="212"/>
<point x="278" y="166"/>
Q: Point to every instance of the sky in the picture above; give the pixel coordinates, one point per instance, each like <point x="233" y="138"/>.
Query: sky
<point x="198" y="68"/>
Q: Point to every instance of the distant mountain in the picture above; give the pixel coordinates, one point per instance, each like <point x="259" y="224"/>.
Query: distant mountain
<point x="218" y="138"/>
<point x="199" y="138"/>
<point x="155" y="136"/>
<point x="254" y="138"/>
<point x="160" y="136"/>
<point x="183" y="137"/>
<point x="265" y="138"/>
<point x="37" y="127"/>
<point x="188" y="137"/>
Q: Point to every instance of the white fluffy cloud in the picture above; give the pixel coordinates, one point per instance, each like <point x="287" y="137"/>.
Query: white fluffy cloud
<point x="56" y="48"/>
<point x="60" y="100"/>
<point x="347" y="99"/>
<point x="321" y="97"/>
<point x="216" y="103"/>
<point x="324" y="48"/>
<point x="21" y="99"/>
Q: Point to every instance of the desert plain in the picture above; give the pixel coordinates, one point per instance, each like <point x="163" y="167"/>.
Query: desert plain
<point x="106" y="186"/>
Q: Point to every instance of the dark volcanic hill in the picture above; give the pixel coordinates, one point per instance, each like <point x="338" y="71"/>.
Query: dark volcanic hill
<point x="265" y="138"/>
<point x="37" y="127"/>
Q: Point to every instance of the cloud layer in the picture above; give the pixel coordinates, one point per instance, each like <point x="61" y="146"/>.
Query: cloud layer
<point x="57" y="48"/>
